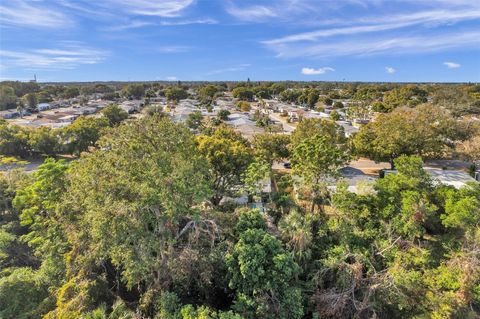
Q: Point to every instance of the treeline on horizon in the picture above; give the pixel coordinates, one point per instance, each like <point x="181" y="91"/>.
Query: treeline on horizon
<point x="14" y="94"/>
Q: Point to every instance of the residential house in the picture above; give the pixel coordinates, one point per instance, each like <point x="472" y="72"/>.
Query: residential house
<point x="43" y="106"/>
<point x="9" y="114"/>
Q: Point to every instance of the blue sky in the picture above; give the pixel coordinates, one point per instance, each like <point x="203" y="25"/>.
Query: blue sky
<point x="310" y="40"/>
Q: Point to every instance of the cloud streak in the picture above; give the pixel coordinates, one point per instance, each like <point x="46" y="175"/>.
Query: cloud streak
<point x="19" y="13"/>
<point x="372" y="46"/>
<point x="239" y="67"/>
<point x="383" y="24"/>
<point x="390" y="70"/>
<point x="163" y="8"/>
<point x="251" y="13"/>
<point x="451" y="65"/>
<point x="59" y="14"/>
<point x="69" y="56"/>
<point x="312" y="71"/>
<point x="385" y="34"/>
<point x="172" y="49"/>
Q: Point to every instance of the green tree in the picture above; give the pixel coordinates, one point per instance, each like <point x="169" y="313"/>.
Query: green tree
<point x="71" y="92"/>
<point x="290" y="95"/>
<point x="21" y="107"/>
<point x="338" y="105"/>
<point x="133" y="91"/>
<point x="243" y="93"/>
<point x="194" y="120"/>
<point x="243" y="106"/>
<point x="311" y="127"/>
<point x="151" y="187"/>
<point x="309" y="97"/>
<point x="406" y="95"/>
<point x="223" y="115"/>
<point x="44" y="140"/>
<point x="315" y="160"/>
<point x="470" y="149"/>
<point x="23" y="294"/>
<point x="176" y="93"/>
<point x="423" y="131"/>
<point x="271" y="147"/>
<point x="277" y="88"/>
<point x="255" y="176"/>
<point x="30" y="100"/>
<point x="114" y="114"/>
<point x="328" y="101"/>
<point x="334" y="116"/>
<point x="378" y="106"/>
<point x="154" y="109"/>
<point x="83" y="133"/>
<point x="40" y="211"/>
<point x="263" y="276"/>
<point x="8" y="99"/>
<point x="13" y="140"/>
<point x="207" y="92"/>
<point x="462" y="208"/>
<point x="39" y="204"/>
<point x="228" y="156"/>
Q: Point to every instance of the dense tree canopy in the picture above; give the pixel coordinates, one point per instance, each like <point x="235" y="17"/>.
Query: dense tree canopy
<point x="207" y="92"/>
<point x="176" y="93"/>
<point x="114" y="114"/>
<point x="83" y="133"/>
<point x="228" y="156"/>
<point x="8" y="99"/>
<point x="153" y="219"/>
<point x="133" y="91"/>
<point x="271" y="147"/>
<point x="243" y="93"/>
<point x="311" y="127"/>
<point x="424" y="131"/>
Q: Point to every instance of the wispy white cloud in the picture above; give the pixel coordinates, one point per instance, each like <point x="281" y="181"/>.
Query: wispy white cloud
<point x="382" y="24"/>
<point x="172" y="49"/>
<point x="32" y="14"/>
<point x="390" y="70"/>
<point x="382" y="33"/>
<point x="250" y="13"/>
<point x="171" y="78"/>
<point x="163" y="8"/>
<point x="284" y="11"/>
<point x="121" y="14"/>
<point x="187" y="22"/>
<point x="379" y="45"/>
<point x="451" y="65"/>
<point x="135" y="24"/>
<point x="130" y="25"/>
<point x="315" y="35"/>
<point x="68" y="56"/>
<point x="239" y="67"/>
<point x="312" y="71"/>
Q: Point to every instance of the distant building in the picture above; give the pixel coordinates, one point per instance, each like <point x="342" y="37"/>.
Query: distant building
<point x="348" y="128"/>
<point x="355" y="180"/>
<point x="86" y="110"/>
<point x="360" y="122"/>
<point x="43" y="106"/>
<point x="131" y="106"/>
<point x="455" y="178"/>
<point x="67" y="119"/>
<point x="9" y="114"/>
<point x="448" y="177"/>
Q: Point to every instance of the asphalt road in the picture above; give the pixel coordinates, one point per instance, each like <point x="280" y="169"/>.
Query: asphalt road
<point x="29" y="167"/>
